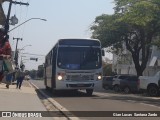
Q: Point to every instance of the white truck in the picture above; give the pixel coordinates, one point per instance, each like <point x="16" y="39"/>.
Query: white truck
<point x="151" y="84"/>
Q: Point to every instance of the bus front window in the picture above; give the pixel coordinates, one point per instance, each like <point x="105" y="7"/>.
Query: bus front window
<point x="79" y="58"/>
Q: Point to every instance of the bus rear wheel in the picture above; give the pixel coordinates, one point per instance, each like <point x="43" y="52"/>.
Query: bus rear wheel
<point x="89" y="92"/>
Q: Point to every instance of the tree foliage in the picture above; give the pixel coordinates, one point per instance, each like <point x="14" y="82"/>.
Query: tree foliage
<point x="135" y="23"/>
<point x="107" y="70"/>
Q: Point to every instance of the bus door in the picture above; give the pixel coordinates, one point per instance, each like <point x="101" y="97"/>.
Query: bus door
<point x="54" y="59"/>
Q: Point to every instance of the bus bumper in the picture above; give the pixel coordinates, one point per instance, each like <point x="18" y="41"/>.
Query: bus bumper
<point x="76" y="85"/>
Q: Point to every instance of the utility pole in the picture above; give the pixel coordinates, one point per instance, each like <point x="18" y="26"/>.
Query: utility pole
<point x="7" y="25"/>
<point x="9" y="12"/>
<point x="16" y="51"/>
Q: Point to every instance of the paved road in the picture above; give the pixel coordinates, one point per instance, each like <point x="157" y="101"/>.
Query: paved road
<point x="103" y="100"/>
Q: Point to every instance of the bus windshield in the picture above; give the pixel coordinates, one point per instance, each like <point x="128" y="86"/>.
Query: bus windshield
<point x="79" y="58"/>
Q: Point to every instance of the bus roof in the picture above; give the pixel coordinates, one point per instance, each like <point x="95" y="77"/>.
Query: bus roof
<point x="79" y="42"/>
<point x="78" y="39"/>
<point x="74" y="39"/>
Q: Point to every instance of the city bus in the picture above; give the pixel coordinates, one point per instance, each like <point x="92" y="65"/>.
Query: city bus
<point x="74" y="64"/>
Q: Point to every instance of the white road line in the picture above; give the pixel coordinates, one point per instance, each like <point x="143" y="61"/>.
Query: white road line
<point x="61" y="108"/>
<point x="150" y="105"/>
<point x="57" y="105"/>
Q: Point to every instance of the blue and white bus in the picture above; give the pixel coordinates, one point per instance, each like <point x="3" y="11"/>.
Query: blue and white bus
<point x="74" y="64"/>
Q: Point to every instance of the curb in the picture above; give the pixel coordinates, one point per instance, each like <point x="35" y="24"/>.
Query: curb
<point x="56" y="104"/>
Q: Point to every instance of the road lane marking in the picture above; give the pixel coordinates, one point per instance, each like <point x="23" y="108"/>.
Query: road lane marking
<point x="150" y="105"/>
<point x="57" y="105"/>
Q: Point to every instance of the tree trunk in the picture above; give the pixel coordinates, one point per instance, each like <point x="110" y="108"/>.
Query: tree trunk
<point x="138" y="68"/>
<point x="139" y="71"/>
<point x="145" y="48"/>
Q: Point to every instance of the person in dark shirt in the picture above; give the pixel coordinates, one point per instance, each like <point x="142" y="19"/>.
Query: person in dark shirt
<point x="20" y="77"/>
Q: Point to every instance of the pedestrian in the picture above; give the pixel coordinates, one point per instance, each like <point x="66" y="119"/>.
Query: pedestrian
<point x="1" y="54"/>
<point x="1" y="69"/>
<point x="5" y="51"/>
<point x="20" y="76"/>
<point x="8" y="79"/>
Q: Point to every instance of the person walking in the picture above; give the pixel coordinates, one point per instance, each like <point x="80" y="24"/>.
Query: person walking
<point x="20" y="76"/>
<point x="5" y="51"/>
<point x="8" y="79"/>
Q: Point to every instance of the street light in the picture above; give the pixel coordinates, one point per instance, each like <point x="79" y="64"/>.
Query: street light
<point x="25" y="22"/>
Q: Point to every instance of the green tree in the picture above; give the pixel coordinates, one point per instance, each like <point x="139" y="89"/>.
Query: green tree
<point x="107" y="70"/>
<point x="135" y="23"/>
<point x="157" y="42"/>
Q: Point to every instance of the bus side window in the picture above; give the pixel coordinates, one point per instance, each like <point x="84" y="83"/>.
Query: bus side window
<point x="54" y="55"/>
<point x="51" y="57"/>
<point x="46" y="62"/>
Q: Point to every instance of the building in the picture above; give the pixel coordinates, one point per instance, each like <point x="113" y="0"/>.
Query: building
<point x="106" y="60"/>
<point x="124" y="64"/>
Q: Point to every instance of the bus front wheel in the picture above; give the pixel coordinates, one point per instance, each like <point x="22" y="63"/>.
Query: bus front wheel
<point x="89" y="92"/>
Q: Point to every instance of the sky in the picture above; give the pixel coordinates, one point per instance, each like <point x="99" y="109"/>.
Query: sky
<point x="65" y="19"/>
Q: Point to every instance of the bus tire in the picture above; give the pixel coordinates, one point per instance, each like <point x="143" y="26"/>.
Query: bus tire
<point x="152" y="90"/>
<point x="89" y="92"/>
<point x="126" y="90"/>
<point x="116" y="88"/>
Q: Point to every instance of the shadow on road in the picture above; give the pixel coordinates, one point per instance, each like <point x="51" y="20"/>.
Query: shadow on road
<point x="132" y="99"/>
<point x="64" y="93"/>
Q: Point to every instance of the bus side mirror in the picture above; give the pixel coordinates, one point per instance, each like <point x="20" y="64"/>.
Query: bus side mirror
<point x="103" y="53"/>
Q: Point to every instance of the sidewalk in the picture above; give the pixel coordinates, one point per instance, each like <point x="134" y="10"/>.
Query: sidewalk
<point x="24" y="99"/>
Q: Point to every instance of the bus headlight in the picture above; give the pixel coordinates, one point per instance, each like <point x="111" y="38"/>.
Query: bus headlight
<point x="99" y="77"/>
<point x="59" y="77"/>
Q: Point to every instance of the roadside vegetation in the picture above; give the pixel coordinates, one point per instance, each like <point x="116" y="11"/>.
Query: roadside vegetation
<point x="135" y="23"/>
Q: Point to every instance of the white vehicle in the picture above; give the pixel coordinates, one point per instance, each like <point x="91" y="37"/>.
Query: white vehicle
<point x="74" y="64"/>
<point x="151" y="84"/>
<point x="116" y="81"/>
<point x="27" y="77"/>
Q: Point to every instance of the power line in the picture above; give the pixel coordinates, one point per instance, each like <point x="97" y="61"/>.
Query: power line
<point x="33" y="54"/>
<point x="23" y="29"/>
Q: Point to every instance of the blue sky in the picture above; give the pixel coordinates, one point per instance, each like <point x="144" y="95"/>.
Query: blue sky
<point x="65" y="19"/>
